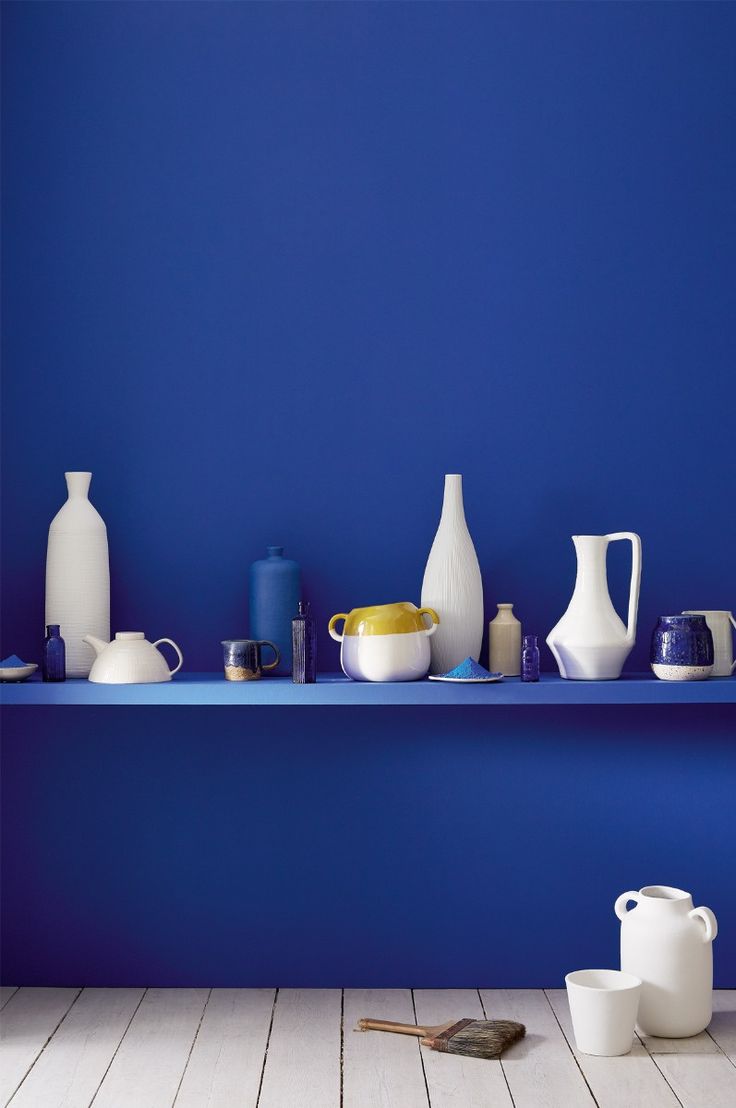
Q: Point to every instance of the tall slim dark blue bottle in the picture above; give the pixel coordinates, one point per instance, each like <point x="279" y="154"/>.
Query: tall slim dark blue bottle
<point x="274" y="590"/>
<point x="54" y="655"/>
<point x="304" y="643"/>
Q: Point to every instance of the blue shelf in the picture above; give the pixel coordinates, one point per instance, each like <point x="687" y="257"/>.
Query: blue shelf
<point x="209" y="689"/>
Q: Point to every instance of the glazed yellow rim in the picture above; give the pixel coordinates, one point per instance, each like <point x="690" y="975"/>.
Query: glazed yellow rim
<point x="384" y="619"/>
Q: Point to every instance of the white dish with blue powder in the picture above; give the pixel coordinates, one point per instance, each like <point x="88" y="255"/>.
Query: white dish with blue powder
<point x="15" y="669"/>
<point x="468" y="672"/>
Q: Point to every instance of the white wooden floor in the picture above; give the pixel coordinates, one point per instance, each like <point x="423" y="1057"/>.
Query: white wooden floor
<point x="294" y="1048"/>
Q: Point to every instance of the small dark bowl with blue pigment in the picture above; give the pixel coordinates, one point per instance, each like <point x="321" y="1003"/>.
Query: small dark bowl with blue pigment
<point x="682" y="648"/>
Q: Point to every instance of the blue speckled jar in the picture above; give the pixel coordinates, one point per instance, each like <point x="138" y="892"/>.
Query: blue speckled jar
<point x="682" y="648"/>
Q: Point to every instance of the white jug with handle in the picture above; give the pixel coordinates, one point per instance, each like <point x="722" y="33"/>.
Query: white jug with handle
<point x="720" y="627"/>
<point x="669" y="945"/>
<point x="590" y="642"/>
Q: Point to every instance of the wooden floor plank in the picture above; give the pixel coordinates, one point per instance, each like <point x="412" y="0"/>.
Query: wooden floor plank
<point x="631" y="1081"/>
<point x="541" y="1070"/>
<point x="224" y="1069"/>
<point x="700" y="1080"/>
<point x="148" y="1067"/>
<point x="303" y="1060"/>
<point x="26" y="1024"/>
<point x="381" y="1070"/>
<point x="6" y="991"/>
<point x="723" y="1025"/>
<point x="454" y="1081"/>
<point x="695" y="1044"/>
<point x="70" y="1069"/>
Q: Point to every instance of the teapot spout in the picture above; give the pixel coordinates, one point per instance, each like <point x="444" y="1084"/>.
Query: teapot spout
<point x="97" y="644"/>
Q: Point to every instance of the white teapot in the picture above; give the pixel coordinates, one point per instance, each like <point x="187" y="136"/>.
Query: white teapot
<point x="130" y="660"/>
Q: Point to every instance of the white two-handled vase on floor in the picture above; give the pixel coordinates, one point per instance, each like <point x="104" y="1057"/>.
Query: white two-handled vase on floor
<point x="590" y="642"/>
<point x="669" y="945"/>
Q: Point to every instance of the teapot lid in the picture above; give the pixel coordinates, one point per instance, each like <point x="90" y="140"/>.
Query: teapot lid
<point x="129" y="636"/>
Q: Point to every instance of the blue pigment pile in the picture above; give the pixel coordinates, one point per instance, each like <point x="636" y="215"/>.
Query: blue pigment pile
<point x="12" y="662"/>
<point x="467" y="669"/>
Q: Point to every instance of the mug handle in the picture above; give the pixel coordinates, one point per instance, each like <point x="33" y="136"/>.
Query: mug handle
<point x="176" y="648"/>
<point x="733" y="621"/>
<point x="710" y="921"/>
<point x="331" y="626"/>
<point x="434" y="617"/>
<point x="620" y="906"/>
<point x="277" y="652"/>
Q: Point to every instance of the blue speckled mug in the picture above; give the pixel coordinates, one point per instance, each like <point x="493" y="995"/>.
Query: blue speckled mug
<point x="682" y="648"/>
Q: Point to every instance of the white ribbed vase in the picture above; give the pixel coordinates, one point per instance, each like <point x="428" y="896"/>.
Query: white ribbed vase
<point x="452" y="585"/>
<point x="78" y="575"/>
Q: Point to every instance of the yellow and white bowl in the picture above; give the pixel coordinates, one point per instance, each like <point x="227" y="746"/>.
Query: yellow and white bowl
<point x="387" y="642"/>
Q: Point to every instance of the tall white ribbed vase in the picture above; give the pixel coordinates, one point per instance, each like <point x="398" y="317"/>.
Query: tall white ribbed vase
<point x="78" y="575"/>
<point x="452" y="585"/>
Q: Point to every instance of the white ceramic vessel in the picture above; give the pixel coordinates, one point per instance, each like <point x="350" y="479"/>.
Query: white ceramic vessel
<point x="590" y="642"/>
<point x="386" y="642"/>
<point x="452" y="584"/>
<point x="603" y="1007"/>
<point x="720" y="624"/>
<point x="504" y="642"/>
<point x="78" y="575"/>
<point x="669" y="945"/>
<point x="130" y="660"/>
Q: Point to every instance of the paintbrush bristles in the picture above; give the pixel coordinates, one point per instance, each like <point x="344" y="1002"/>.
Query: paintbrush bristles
<point x="478" y="1038"/>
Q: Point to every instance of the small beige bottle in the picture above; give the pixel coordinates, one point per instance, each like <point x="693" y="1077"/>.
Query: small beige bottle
<point x="504" y="642"/>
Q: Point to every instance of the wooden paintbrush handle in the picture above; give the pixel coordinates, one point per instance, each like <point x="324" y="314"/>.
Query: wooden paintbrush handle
<point x="389" y="1025"/>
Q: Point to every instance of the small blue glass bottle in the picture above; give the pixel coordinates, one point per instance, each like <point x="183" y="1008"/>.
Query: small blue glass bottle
<point x="530" y="659"/>
<point x="304" y="647"/>
<point x="54" y="655"/>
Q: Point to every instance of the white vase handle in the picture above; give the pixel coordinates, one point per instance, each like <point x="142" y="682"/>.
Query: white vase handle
<point x="620" y="906"/>
<point x="635" y="579"/>
<point x="179" y="653"/>
<point x="710" y="921"/>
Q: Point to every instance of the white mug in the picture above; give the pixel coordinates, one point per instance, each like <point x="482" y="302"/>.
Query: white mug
<point x="720" y="627"/>
<point x="604" y="1005"/>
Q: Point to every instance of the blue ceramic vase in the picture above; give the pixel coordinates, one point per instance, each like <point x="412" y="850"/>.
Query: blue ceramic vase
<point x="274" y="590"/>
<point x="682" y="648"/>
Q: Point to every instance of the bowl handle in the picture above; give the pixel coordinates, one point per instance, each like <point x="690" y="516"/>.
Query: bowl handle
<point x="434" y="617"/>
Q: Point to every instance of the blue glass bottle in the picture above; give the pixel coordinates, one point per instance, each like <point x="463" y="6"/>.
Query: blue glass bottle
<point x="54" y="655"/>
<point x="274" y="591"/>
<point x="304" y="643"/>
<point x="530" y="659"/>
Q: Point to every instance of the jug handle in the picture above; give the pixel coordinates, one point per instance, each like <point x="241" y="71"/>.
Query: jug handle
<point x="176" y="648"/>
<point x="331" y="626"/>
<point x="733" y="621"/>
<point x="635" y="579"/>
<point x="710" y="921"/>
<point x="433" y="616"/>
<point x="620" y="906"/>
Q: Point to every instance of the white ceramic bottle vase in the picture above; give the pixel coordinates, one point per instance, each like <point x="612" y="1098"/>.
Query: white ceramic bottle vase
<point x="669" y="945"/>
<point x="504" y="642"/>
<point x="78" y="575"/>
<point x="452" y="585"/>
<point x="590" y="643"/>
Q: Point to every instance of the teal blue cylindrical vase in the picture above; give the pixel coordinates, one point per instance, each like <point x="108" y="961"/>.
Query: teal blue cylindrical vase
<point x="274" y="591"/>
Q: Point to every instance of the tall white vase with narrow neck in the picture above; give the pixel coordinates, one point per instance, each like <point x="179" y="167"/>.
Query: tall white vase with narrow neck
<point x="590" y="642"/>
<point x="452" y="585"/>
<point x="78" y="575"/>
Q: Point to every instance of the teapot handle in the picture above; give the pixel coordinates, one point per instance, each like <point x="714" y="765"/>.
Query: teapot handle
<point x="433" y="616"/>
<point x="710" y="921"/>
<point x="635" y="579"/>
<point x="620" y="906"/>
<point x="331" y="626"/>
<point x="176" y="648"/>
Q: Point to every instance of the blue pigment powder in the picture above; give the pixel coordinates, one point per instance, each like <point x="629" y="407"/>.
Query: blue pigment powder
<point x="12" y="662"/>
<point x="467" y="669"/>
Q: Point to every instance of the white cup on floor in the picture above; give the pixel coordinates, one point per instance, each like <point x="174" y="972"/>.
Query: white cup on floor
<point x="603" y="1004"/>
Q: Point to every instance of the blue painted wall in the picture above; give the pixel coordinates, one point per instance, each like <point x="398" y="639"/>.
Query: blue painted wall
<point x="270" y="270"/>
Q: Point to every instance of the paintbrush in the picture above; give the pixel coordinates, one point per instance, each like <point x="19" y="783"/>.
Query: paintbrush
<point x="475" y="1038"/>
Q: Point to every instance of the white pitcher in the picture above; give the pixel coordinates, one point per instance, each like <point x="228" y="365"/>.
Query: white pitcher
<point x="720" y="627"/>
<point x="590" y="642"/>
<point x="669" y="945"/>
